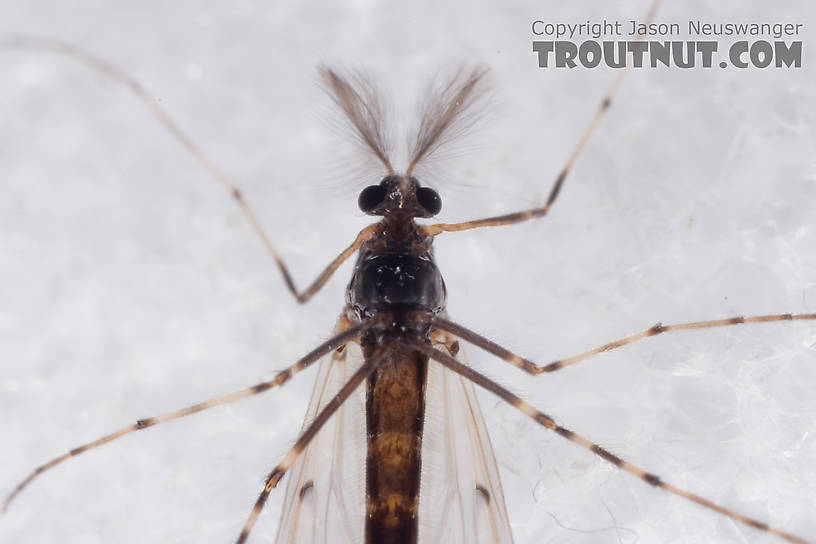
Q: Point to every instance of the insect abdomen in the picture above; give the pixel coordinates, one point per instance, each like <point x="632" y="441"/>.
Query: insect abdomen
<point x="395" y="412"/>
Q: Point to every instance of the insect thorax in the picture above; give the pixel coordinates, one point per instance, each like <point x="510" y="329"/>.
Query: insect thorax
<point x="395" y="277"/>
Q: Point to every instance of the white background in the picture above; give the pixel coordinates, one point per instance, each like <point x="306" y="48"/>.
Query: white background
<point x="131" y="284"/>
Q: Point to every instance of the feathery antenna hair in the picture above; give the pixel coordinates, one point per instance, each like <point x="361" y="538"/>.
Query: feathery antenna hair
<point x="444" y="113"/>
<point x="363" y="108"/>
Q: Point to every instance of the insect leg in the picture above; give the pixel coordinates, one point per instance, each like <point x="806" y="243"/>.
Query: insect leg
<point x="585" y="443"/>
<point x="303" y="441"/>
<point x="532" y="368"/>
<point x="541" y="211"/>
<point x="157" y="112"/>
<point x="282" y="377"/>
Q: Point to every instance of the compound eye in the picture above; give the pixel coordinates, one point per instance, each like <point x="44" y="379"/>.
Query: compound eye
<point x="429" y="199"/>
<point x="371" y="197"/>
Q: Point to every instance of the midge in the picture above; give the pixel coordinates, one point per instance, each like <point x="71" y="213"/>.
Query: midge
<point x="394" y="447"/>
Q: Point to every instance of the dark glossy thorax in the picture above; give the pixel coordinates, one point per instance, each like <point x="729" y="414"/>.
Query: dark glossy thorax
<point x="395" y="277"/>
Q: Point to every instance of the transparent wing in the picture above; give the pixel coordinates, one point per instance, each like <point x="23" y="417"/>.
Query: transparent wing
<point x="461" y="499"/>
<point x="325" y="495"/>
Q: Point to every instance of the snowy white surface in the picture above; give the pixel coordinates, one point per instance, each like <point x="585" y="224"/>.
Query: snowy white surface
<point x="131" y="284"/>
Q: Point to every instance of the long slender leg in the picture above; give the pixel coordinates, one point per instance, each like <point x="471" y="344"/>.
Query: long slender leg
<point x="302" y="443"/>
<point x="283" y="376"/>
<point x="131" y="84"/>
<point x="534" y="213"/>
<point x="532" y="368"/>
<point x="575" y="438"/>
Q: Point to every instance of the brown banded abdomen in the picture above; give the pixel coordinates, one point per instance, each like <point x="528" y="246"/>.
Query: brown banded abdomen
<point x="395" y="413"/>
